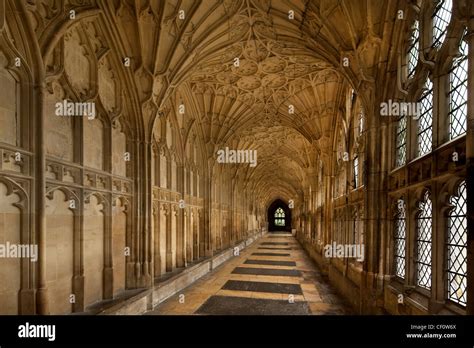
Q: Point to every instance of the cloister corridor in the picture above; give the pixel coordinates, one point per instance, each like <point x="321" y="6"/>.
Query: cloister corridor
<point x="259" y="157"/>
<point x="273" y="277"/>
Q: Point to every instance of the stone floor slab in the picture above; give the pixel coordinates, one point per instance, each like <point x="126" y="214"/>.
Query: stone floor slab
<point x="294" y="289"/>
<point x="270" y="254"/>
<point x="226" y="305"/>
<point x="267" y="271"/>
<point x="270" y="262"/>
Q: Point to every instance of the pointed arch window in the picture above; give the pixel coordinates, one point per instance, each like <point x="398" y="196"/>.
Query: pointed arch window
<point x="399" y="236"/>
<point x="425" y="121"/>
<point x="279" y="217"/>
<point x="441" y="19"/>
<point x="456" y="247"/>
<point x="423" y="243"/>
<point x="458" y="93"/>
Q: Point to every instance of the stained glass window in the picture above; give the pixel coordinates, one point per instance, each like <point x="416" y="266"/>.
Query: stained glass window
<point x="399" y="235"/>
<point x="458" y="93"/>
<point x="279" y="217"/>
<point x="457" y="247"/>
<point x="423" y="243"/>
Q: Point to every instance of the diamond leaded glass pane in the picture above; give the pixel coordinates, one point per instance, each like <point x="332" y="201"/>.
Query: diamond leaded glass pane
<point x="423" y="243"/>
<point x="458" y="93"/>
<point x="399" y="234"/>
<point x="425" y="134"/>
<point x="441" y="19"/>
<point x="413" y="48"/>
<point x="457" y="247"/>
<point x="401" y="140"/>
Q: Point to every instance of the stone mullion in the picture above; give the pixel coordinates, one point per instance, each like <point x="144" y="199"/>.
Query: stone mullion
<point x="135" y="233"/>
<point x="78" y="281"/>
<point x="169" y="246"/>
<point x="157" y="240"/>
<point x="438" y="284"/>
<point x="208" y="247"/>
<point x="42" y="302"/>
<point x="189" y="227"/>
<point x="437" y="264"/>
<point x="108" y="272"/>
<point x="218" y="187"/>
<point x="189" y="234"/>
<point x="384" y="204"/>
<point x="148" y="215"/>
<point x="328" y="225"/>
<point x="130" y="270"/>
<point x="411" y="213"/>
<point x="156" y="215"/>
<point x="372" y="195"/>
<point x="201" y="232"/>
<point x="180" y="231"/>
<point x="232" y="209"/>
<point x="195" y="231"/>
<point x="470" y="168"/>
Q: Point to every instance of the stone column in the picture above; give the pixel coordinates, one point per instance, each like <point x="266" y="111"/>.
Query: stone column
<point x="232" y="213"/>
<point x="180" y="233"/>
<point x="108" y="272"/>
<point x="144" y="194"/>
<point x="470" y="167"/>
<point x="373" y="198"/>
<point x="42" y="302"/>
<point x="169" y="251"/>
<point x="208" y="247"/>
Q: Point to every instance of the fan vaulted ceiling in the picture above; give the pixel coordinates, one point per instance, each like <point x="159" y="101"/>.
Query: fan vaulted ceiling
<point x="184" y="52"/>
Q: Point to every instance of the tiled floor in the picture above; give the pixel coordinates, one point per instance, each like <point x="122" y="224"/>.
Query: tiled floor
<point x="260" y="282"/>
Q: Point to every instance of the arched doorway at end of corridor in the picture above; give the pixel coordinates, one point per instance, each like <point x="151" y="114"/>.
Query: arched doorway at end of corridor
<point x="279" y="216"/>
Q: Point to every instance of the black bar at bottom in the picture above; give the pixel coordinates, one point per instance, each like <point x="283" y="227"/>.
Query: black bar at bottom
<point x="328" y="330"/>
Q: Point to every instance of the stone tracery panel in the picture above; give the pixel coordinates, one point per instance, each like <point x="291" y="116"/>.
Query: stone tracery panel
<point x="93" y="143"/>
<point x="59" y="129"/>
<point x="9" y="101"/>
